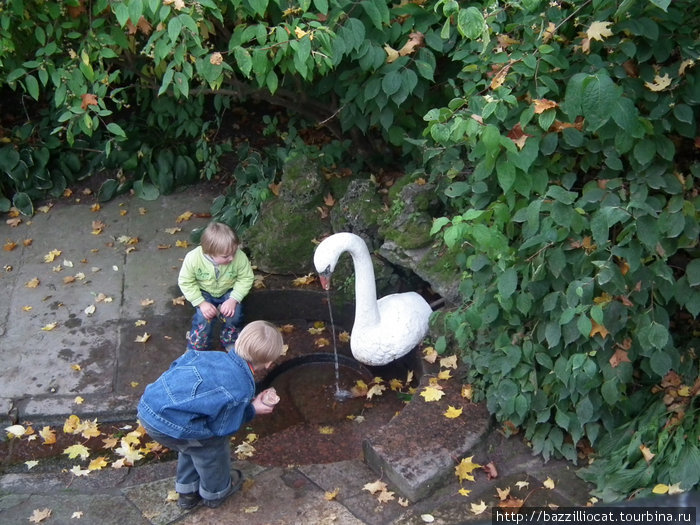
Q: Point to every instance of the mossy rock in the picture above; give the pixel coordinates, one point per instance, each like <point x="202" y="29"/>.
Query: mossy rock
<point x="358" y="211"/>
<point x="412" y="208"/>
<point x="302" y="183"/>
<point x="281" y="242"/>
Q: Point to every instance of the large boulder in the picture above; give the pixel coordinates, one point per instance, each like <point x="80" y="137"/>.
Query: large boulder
<point x="281" y="241"/>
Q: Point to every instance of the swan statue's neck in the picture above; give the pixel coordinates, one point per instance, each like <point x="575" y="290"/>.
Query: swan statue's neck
<point x="366" y="310"/>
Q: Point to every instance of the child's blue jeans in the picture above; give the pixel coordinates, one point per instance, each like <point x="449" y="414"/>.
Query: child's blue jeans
<point x="203" y="466"/>
<point x="202" y="328"/>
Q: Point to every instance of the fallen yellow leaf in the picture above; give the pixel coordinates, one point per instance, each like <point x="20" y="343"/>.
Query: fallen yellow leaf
<point x="452" y="412"/>
<point x="465" y="468"/>
<point x="431" y="393"/>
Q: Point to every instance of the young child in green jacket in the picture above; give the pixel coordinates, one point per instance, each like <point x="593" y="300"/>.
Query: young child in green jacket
<point x="214" y="278"/>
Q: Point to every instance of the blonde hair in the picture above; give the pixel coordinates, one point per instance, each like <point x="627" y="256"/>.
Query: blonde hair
<point x="219" y="239"/>
<point x="259" y="342"/>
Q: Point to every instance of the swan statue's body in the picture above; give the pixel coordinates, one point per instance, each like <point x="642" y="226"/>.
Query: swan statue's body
<point x="386" y="329"/>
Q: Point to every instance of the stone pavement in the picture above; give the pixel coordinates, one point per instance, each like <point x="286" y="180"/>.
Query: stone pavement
<point x="77" y="284"/>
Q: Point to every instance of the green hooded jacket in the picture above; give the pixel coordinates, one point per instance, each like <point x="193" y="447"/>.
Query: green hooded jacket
<point x="199" y="273"/>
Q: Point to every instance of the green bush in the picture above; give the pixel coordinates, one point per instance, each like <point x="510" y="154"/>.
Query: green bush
<point x="577" y="228"/>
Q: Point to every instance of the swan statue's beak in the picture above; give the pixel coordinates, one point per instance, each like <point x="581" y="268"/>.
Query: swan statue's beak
<point x="325" y="278"/>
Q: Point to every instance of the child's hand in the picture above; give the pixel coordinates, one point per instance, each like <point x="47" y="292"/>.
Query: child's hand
<point x="208" y="310"/>
<point x="261" y="406"/>
<point x="228" y="307"/>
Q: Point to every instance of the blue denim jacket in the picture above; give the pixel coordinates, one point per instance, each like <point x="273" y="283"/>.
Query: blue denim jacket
<point x="202" y="395"/>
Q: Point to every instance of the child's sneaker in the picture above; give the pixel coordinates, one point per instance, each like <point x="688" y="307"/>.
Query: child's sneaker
<point x="188" y="501"/>
<point x="235" y="485"/>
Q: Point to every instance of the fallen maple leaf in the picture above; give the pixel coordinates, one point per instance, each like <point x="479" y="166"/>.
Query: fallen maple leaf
<point x="374" y="487"/>
<point x="385" y="496"/>
<point x="39" y="515"/>
<point x="142" y="338"/>
<point x="452" y="412"/>
<point x="147" y="302"/>
<point x="522" y="484"/>
<point x="251" y="510"/>
<point x="31" y="464"/>
<point x="430" y="354"/>
<point x="49" y="327"/>
<point x="244" y="450"/>
<point x="444" y="375"/>
<point x="467" y="392"/>
<point x="184" y="217"/>
<point x="77" y="450"/>
<point x="321" y="342"/>
<point x="431" y="393"/>
<point x="131" y="455"/>
<point x="77" y="471"/>
<point x="326" y="430"/>
<point x="376" y="390"/>
<point x="478" y="508"/>
<point x="32" y="283"/>
<point x="503" y="493"/>
<point x="331" y="495"/>
<point x="449" y="362"/>
<point x="77" y="515"/>
<point x="9" y="246"/>
<point x="465" y="468"/>
<point x="78" y="400"/>
<point x="48" y="435"/>
<point x="98" y="463"/>
<point x="110" y="442"/>
<point x="511" y="503"/>
<point x="304" y="280"/>
<point x="51" y="256"/>
<point x="599" y="31"/>
<point x="549" y="483"/>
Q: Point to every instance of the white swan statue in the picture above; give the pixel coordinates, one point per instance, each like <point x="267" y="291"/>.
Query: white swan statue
<point x="386" y="329"/>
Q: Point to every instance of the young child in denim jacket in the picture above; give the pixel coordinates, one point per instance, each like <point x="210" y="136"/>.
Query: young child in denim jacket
<point x="200" y="401"/>
<point x="214" y="278"/>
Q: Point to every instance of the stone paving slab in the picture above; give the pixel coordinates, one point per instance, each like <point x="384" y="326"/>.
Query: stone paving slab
<point x="93" y="353"/>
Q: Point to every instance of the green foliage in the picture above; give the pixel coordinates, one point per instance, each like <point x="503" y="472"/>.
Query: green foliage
<point x="577" y="227"/>
<point x="253" y="175"/>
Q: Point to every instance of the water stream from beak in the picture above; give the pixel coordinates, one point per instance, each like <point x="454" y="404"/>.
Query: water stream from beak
<point x="340" y="394"/>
